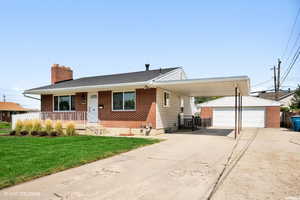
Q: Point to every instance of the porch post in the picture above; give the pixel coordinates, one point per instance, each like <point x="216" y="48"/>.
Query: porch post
<point x="235" y="114"/>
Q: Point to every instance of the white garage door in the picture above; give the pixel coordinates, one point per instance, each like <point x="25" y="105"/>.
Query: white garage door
<point x="252" y="117"/>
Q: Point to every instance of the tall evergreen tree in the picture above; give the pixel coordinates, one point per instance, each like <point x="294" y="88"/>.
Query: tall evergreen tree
<point x="296" y="99"/>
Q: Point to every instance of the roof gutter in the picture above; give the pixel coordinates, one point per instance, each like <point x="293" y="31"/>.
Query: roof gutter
<point x="202" y="80"/>
<point x="30" y="97"/>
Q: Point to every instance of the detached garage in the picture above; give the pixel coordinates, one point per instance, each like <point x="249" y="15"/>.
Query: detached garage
<point x="256" y="112"/>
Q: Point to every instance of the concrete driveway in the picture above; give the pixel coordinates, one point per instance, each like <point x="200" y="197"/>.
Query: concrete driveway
<point x="185" y="166"/>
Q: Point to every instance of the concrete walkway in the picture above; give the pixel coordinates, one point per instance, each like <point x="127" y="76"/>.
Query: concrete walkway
<point x="185" y="166"/>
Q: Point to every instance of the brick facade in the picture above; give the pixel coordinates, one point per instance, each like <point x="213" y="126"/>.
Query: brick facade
<point x="60" y="73"/>
<point x="272" y="117"/>
<point x="206" y="112"/>
<point x="145" y="110"/>
<point x="47" y="103"/>
<point x="81" y="101"/>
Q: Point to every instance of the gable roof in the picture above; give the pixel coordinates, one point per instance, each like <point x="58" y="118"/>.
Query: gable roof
<point x="272" y="95"/>
<point x="11" y="106"/>
<point x="131" y="77"/>
<point x="248" y="101"/>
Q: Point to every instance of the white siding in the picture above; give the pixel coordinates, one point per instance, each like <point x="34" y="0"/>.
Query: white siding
<point x="167" y="117"/>
<point x="177" y="74"/>
<point x="189" y="105"/>
<point x="286" y="102"/>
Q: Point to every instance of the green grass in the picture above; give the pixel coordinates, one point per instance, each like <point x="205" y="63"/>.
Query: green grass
<point x="25" y="158"/>
<point x="5" y="127"/>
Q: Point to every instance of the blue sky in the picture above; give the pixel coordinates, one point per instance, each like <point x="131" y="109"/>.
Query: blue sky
<point x="207" y="38"/>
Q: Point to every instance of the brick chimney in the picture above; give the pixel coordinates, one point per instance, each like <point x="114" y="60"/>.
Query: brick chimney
<point x="60" y="73"/>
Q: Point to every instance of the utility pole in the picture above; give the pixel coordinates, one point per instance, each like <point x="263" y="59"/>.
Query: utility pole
<point x="278" y="74"/>
<point x="275" y="81"/>
<point x="4" y="100"/>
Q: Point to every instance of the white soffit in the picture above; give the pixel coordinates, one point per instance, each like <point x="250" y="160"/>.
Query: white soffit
<point x="223" y="86"/>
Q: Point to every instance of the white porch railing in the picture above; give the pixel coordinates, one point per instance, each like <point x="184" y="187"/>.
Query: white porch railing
<point x="77" y="116"/>
<point x="24" y="116"/>
<point x="64" y="116"/>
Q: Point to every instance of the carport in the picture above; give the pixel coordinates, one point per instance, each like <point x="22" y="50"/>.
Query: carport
<point x="236" y="86"/>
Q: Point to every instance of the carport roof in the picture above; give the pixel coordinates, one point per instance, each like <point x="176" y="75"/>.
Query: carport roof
<point x="220" y="86"/>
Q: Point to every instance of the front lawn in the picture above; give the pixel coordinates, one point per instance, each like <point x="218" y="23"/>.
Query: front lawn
<point x="5" y="127"/>
<point x="25" y="158"/>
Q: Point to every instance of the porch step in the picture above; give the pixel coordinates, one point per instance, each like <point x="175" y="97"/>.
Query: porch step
<point x="97" y="130"/>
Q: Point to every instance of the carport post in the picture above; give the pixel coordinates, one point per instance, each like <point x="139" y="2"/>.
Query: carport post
<point x="241" y="112"/>
<point x="239" y="127"/>
<point x="235" y="114"/>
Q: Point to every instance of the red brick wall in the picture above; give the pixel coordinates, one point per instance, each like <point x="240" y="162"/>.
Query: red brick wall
<point x="81" y="101"/>
<point x="60" y="73"/>
<point x="273" y="117"/>
<point x="47" y="103"/>
<point x="206" y="112"/>
<point x="145" y="110"/>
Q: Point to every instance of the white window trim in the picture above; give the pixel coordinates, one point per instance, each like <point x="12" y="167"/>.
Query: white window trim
<point x="70" y="100"/>
<point x="168" y="102"/>
<point x="123" y="110"/>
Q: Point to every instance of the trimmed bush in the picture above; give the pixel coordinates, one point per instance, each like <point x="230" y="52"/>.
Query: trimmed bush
<point x="70" y="129"/>
<point x="59" y="128"/>
<point x="13" y="132"/>
<point x="43" y="133"/>
<point x="19" y="127"/>
<point x="48" y="126"/>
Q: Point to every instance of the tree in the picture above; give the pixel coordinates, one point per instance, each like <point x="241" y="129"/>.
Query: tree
<point x="199" y="100"/>
<point x="296" y="99"/>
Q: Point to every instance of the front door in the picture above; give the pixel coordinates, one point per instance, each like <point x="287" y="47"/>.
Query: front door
<point x="92" y="115"/>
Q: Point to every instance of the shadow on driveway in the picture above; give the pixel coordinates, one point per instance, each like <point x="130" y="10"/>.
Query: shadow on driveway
<point x="205" y="131"/>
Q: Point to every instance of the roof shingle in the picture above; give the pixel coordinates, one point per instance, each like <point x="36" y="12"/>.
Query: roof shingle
<point x="140" y="76"/>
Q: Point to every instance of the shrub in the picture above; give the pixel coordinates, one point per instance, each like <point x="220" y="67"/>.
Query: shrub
<point x="58" y="128"/>
<point x="36" y="126"/>
<point x="48" y="126"/>
<point x="284" y="109"/>
<point x="43" y="133"/>
<point x="13" y="132"/>
<point x="70" y="129"/>
<point x="24" y="132"/>
<point x="27" y="126"/>
<point x="19" y="127"/>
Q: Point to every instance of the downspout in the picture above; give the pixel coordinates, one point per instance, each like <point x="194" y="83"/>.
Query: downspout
<point x="31" y="97"/>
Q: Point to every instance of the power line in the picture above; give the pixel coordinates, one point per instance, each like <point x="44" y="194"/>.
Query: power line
<point x="292" y="49"/>
<point x="291" y="33"/>
<point x="295" y="58"/>
<point x="262" y="83"/>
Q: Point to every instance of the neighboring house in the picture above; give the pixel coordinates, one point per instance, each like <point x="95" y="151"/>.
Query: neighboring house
<point x="257" y="112"/>
<point x="284" y="97"/>
<point x="129" y="102"/>
<point x="7" y="109"/>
